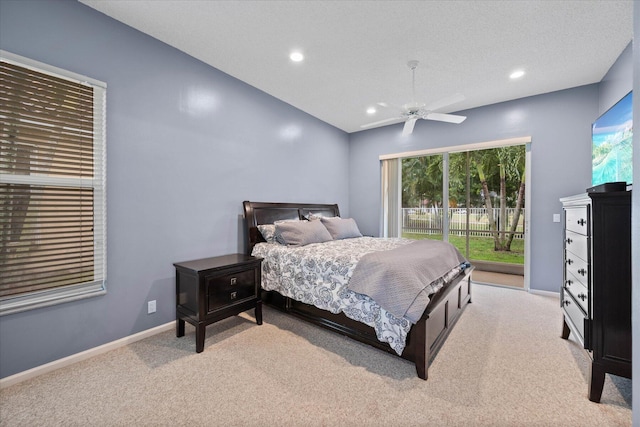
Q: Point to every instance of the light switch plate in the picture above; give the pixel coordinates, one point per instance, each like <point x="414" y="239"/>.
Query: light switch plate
<point x="556" y="217"/>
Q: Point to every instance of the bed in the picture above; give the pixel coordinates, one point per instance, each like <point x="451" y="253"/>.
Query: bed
<point x="417" y="340"/>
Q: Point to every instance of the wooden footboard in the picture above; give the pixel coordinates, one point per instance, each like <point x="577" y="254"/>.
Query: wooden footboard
<point x="425" y="338"/>
<point x="428" y="335"/>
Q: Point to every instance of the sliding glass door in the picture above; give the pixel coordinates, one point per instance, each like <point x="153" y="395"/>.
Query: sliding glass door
<point x="473" y="199"/>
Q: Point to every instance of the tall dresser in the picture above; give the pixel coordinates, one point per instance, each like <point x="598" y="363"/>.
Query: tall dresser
<point x="596" y="293"/>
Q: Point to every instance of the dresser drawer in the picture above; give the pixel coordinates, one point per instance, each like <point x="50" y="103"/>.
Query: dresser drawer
<point x="575" y="315"/>
<point x="577" y="267"/>
<point x="577" y="290"/>
<point x="577" y="244"/>
<point x="229" y="289"/>
<point x="577" y="219"/>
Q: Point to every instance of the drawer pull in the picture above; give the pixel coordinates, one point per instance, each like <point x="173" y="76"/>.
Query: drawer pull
<point x="234" y="295"/>
<point x="582" y="297"/>
<point x="582" y="271"/>
<point x="566" y="302"/>
<point x="569" y="241"/>
<point x="234" y="280"/>
<point x="569" y="282"/>
<point x="582" y="222"/>
<point x="569" y="261"/>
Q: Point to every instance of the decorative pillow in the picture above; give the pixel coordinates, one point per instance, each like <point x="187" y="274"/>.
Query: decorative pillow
<point x="268" y="231"/>
<point x="301" y="233"/>
<point x="313" y="217"/>
<point x="341" y="228"/>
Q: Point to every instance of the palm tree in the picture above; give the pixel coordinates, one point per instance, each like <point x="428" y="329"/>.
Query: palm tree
<point x="422" y="180"/>
<point x="509" y="163"/>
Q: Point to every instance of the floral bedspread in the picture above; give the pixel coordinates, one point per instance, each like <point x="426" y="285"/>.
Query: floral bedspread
<point x="319" y="273"/>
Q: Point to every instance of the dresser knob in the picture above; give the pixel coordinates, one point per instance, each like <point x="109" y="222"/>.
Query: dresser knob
<point x="234" y="295"/>
<point x="234" y="280"/>
<point x="582" y="222"/>
<point x="569" y="261"/>
<point x="582" y="297"/>
<point x="566" y="302"/>
<point x="568" y="281"/>
<point x="582" y="271"/>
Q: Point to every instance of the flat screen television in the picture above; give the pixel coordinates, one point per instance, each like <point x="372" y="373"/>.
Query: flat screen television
<point x="611" y="144"/>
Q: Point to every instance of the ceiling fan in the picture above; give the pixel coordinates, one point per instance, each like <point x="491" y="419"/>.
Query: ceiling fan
<point x="411" y="112"/>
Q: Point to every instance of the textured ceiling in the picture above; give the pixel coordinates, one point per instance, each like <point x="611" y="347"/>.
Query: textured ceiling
<point x="356" y="51"/>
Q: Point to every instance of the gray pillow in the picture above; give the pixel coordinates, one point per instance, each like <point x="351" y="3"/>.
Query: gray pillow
<point x="341" y="228"/>
<point x="302" y="233"/>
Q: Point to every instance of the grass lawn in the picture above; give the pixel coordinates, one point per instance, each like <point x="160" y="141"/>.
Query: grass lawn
<point x="480" y="248"/>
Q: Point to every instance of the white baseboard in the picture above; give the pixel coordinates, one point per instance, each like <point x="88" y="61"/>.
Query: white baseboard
<point x="75" y="358"/>
<point x="545" y="293"/>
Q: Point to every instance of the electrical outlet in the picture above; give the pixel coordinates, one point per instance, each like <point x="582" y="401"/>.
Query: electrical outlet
<point x="151" y="306"/>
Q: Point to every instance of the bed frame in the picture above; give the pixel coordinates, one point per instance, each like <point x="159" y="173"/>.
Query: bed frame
<point x="425" y="337"/>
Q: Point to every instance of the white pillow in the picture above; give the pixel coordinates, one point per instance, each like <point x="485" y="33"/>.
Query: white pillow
<point x="341" y="228"/>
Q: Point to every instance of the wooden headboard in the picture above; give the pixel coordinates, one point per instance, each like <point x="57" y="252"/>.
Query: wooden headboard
<point x="258" y="213"/>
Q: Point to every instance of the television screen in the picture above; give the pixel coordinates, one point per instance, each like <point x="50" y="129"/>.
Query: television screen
<point x="611" y="144"/>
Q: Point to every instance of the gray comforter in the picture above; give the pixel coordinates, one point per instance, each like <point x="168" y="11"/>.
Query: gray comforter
<point x="400" y="280"/>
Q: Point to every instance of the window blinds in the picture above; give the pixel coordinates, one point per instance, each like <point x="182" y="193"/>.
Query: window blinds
<point x="51" y="182"/>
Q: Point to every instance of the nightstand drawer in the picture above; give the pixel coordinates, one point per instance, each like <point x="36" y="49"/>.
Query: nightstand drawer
<point x="229" y="289"/>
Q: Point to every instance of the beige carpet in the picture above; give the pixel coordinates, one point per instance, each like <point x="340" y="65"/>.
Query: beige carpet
<point x="503" y="365"/>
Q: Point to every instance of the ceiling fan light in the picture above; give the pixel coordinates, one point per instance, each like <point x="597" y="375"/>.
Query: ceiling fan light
<point x="516" y="74"/>
<point x="371" y="110"/>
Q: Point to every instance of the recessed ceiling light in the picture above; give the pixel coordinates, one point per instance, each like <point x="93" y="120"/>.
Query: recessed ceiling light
<point x="516" y="74"/>
<point x="371" y="110"/>
<point x="296" y="56"/>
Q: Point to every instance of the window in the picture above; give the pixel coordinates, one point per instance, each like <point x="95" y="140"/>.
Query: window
<point x="52" y="185"/>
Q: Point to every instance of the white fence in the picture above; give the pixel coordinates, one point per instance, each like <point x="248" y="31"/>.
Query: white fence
<point x="429" y="221"/>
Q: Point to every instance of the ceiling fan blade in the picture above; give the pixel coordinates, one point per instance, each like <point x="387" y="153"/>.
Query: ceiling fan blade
<point x="408" y="127"/>
<point x="381" y="122"/>
<point x="449" y="100"/>
<point x="449" y="118"/>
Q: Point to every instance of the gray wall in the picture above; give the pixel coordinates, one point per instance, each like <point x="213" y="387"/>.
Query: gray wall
<point x="617" y="82"/>
<point x="186" y="144"/>
<point x="559" y="126"/>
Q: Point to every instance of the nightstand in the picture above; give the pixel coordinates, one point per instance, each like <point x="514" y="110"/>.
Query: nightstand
<point x="211" y="289"/>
